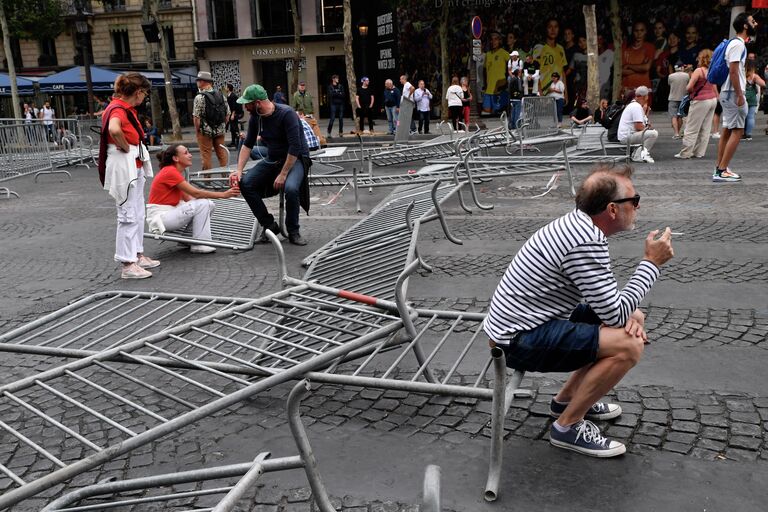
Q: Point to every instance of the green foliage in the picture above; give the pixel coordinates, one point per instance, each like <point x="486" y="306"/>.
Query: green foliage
<point x="34" y="19"/>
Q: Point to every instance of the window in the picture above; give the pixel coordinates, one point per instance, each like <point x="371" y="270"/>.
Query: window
<point x="271" y="17"/>
<point x="16" y="53"/>
<point x="330" y="16"/>
<point x="221" y="19"/>
<point x="114" y="5"/>
<point x="170" y="44"/>
<point x="121" y="48"/>
<point x="47" y="52"/>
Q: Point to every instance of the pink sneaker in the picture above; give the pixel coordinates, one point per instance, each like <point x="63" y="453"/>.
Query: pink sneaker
<point x="147" y="262"/>
<point x="134" y="271"/>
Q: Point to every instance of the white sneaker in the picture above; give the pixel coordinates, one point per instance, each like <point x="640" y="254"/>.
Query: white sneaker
<point x="147" y="262"/>
<point x="201" y="249"/>
<point x="637" y="155"/>
<point x="646" y="157"/>
<point x="133" y="271"/>
<point x="366" y="131"/>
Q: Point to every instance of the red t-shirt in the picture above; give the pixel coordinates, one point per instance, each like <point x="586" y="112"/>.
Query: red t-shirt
<point x="637" y="57"/>
<point x="131" y="135"/>
<point x="164" y="189"/>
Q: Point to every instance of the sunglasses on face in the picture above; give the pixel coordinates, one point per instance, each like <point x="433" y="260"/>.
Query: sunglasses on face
<point x="635" y="200"/>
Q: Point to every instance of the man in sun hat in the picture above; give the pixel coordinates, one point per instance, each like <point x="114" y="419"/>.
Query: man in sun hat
<point x="210" y="112"/>
<point x="284" y="164"/>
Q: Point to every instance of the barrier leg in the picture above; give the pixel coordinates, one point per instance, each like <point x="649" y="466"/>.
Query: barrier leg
<point x="497" y="424"/>
<point x="567" y="164"/>
<point x="431" y="501"/>
<point x="319" y="492"/>
<point x="8" y="192"/>
<point x="441" y="215"/>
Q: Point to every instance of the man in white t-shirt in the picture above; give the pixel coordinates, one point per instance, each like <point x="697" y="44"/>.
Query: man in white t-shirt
<point x="634" y="127"/>
<point x="48" y="114"/>
<point x="732" y="99"/>
<point x="408" y="92"/>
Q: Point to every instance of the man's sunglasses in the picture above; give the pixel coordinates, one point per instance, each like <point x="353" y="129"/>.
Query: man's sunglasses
<point x="635" y="200"/>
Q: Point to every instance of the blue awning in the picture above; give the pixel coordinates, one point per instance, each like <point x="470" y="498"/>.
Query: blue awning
<point x="72" y="80"/>
<point x="26" y="87"/>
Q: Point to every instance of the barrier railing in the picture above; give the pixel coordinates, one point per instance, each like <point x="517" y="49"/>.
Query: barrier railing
<point x="23" y="151"/>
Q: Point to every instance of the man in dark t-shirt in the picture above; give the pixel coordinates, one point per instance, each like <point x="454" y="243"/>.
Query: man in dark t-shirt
<point x="364" y="101"/>
<point x="284" y="164"/>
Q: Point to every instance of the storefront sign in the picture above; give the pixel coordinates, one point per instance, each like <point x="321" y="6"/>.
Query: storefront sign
<point x="276" y="52"/>
<point x="385" y="35"/>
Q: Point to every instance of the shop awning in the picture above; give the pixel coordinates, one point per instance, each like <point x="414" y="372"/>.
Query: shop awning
<point x="26" y="87"/>
<point x="72" y="80"/>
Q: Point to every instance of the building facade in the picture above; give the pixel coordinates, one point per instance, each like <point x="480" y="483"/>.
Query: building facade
<point x="251" y="41"/>
<point x="116" y="42"/>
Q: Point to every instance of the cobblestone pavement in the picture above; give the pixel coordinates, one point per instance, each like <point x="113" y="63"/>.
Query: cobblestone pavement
<point x="699" y="404"/>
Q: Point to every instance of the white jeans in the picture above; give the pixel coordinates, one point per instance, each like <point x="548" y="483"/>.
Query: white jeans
<point x="197" y="211"/>
<point x="129" y="239"/>
<point x="647" y="138"/>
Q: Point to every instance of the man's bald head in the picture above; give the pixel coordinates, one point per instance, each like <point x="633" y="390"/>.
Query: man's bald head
<point x="601" y="187"/>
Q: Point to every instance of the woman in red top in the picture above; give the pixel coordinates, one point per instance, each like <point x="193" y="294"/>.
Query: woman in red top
<point x="174" y="203"/>
<point x="126" y="167"/>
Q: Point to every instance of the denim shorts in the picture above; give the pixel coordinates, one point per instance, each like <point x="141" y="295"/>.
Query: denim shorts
<point x="557" y="345"/>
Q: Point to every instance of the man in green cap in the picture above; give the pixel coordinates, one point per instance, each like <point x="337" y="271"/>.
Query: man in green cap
<point x="284" y="165"/>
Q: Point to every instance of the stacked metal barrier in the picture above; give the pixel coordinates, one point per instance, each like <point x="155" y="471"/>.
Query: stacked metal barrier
<point x="154" y="385"/>
<point x="24" y="150"/>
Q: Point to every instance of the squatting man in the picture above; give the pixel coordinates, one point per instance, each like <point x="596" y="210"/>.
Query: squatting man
<point x="558" y="308"/>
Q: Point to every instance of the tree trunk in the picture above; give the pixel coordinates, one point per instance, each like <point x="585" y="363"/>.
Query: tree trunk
<point x="154" y="96"/>
<point x="167" y="77"/>
<point x="444" y="70"/>
<point x="11" y="64"/>
<point x="349" y="58"/>
<point x="294" y="86"/>
<point x="593" y="70"/>
<point x="617" y="45"/>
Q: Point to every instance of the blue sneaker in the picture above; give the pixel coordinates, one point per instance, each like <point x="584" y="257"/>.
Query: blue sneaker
<point x="599" y="411"/>
<point x="584" y="437"/>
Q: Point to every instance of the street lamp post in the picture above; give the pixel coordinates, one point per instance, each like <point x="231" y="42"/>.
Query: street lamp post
<point x="362" y="28"/>
<point x="81" y="25"/>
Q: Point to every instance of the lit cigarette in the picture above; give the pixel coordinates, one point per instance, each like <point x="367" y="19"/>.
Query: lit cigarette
<point x="676" y="233"/>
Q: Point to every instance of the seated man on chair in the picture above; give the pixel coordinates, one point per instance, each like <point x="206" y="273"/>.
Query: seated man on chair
<point x="284" y="166"/>
<point x="634" y="127"/>
<point x="558" y="307"/>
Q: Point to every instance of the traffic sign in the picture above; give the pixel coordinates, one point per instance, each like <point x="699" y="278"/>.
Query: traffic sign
<point x="477" y="27"/>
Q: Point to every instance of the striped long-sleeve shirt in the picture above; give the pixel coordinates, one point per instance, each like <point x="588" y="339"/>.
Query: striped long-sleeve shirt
<point x="563" y="264"/>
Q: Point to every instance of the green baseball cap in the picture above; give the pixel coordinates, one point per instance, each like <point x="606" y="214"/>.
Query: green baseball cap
<point x="252" y="93"/>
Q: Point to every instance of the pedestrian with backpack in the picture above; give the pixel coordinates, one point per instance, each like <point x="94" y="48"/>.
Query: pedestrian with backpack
<point x="210" y="113"/>
<point x="727" y="71"/>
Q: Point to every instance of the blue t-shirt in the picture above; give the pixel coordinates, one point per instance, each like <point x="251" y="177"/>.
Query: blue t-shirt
<point x="281" y="132"/>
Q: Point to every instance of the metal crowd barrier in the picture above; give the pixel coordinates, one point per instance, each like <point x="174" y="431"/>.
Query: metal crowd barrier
<point x="109" y="319"/>
<point x="23" y="151"/>
<point x="213" y="489"/>
<point x="155" y="385"/>
<point x="70" y="141"/>
<point x="233" y="226"/>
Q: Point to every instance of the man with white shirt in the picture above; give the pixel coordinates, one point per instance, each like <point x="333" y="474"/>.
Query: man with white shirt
<point x="732" y="99"/>
<point x="634" y="127"/>
<point x="408" y="92"/>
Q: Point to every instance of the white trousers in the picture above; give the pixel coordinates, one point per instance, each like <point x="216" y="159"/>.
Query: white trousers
<point x="129" y="239"/>
<point x="647" y="138"/>
<point x="197" y="211"/>
<point x="534" y="89"/>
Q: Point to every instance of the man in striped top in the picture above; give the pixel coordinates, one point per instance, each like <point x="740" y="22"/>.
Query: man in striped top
<point x="558" y="307"/>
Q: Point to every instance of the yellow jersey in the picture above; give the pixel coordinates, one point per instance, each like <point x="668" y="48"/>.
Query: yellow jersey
<point x="496" y="70"/>
<point x="550" y="59"/>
